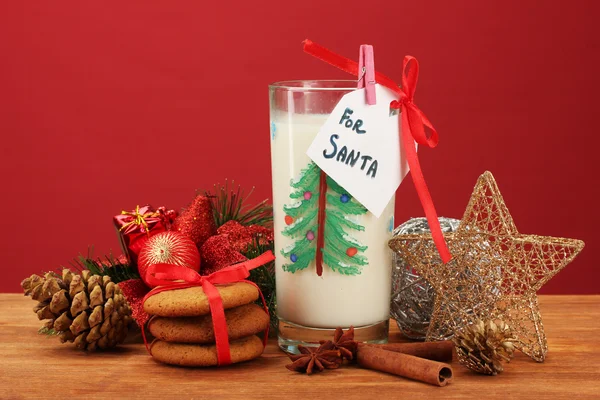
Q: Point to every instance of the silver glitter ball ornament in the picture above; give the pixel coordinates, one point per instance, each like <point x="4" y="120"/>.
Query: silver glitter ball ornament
<point x="412" y="296"/>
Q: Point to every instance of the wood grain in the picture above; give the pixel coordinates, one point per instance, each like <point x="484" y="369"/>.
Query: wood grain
<point x="34" y="366"/>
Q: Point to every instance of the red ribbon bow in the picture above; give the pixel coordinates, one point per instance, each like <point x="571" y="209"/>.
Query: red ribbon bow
<point x="413" y="122"/>
<point x="174" y="277"/>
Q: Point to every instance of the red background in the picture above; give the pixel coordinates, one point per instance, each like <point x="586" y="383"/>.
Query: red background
<point x="107" y="105"/>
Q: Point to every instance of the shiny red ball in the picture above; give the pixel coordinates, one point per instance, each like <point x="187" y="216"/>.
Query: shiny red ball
<point x="168" y="247"/>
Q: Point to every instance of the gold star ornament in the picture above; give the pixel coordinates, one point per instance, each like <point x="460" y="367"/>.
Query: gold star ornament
<point x="494" y="273"/>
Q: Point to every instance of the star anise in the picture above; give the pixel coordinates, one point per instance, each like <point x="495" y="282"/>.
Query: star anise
<point x="343" y="342"/>
<point x="313" y="359"/>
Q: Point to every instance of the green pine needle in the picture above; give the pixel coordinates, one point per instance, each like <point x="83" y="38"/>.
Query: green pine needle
<point x="264" y="277"/>
<point x="48" y="331"/>
<point x="230" y="204"/>
<point x="110" y="265"/>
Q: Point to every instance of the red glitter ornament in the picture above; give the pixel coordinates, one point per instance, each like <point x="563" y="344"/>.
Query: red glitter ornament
<point x="168" y="247"/>
<point x="196" y="221"/>
<point x="134" y="291"/>
<point x="240" y="236"/>
<point x="265" y="235"/>
<point x="218" y="253"/>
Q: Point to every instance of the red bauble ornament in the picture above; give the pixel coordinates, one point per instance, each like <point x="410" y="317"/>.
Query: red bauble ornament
<point x="351" y="251"/>
<point x="196" y="221"/>
<point x="217" y="253"/>
<point x="170" y="248"/>
<point x="288" y="220"/>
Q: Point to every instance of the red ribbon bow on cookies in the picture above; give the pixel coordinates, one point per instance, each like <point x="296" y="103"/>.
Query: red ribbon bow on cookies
<point x="413" y="122"/>
<point x="174" y="277"/>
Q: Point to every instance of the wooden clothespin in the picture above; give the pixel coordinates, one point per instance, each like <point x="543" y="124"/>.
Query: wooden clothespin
<point x="366" y="69"/>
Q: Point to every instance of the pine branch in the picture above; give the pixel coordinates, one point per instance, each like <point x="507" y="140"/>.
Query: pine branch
<point x="231" y="204"/>
<point x="264" y="277"/>
<point x="111" y="266"/>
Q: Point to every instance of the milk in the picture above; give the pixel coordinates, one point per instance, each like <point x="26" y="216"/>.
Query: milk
<point x="332" y="299"/>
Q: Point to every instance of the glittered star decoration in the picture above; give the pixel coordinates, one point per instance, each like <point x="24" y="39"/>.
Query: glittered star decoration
<point x="494" y="273"/>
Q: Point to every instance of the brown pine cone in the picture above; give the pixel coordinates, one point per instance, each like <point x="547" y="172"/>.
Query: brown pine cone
<point x="88" y="310"/>
<point x="483" y="346"/>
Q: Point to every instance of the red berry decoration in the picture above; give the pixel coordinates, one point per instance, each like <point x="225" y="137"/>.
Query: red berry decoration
<point x="171" y="248"/>
<point x="288" y="220"/>
<point x="351" y="252"/>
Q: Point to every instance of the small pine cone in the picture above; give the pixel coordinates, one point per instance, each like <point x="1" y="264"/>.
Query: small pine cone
<point x="85" y="309"/>
<point x="483" y="346"/>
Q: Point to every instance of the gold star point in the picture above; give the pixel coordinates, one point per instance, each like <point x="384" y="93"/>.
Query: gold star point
<point x="494" y="273"/>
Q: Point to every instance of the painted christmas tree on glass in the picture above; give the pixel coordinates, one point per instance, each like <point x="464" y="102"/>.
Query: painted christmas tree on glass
<point x="321" y="222"/>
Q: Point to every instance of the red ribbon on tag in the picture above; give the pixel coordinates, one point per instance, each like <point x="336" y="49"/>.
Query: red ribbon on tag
<point x="174" y="277"/>
<point x="413" y="122"/>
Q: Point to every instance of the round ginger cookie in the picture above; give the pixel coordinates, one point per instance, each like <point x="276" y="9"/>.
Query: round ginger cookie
<point x="192" y="302"/>
<point x="198" y="355"/>
<point x="242" y="321"/>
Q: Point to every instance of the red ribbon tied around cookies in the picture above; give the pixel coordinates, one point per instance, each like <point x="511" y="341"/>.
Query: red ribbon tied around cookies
<point x="412" y="121"/>
<point x="174" y="277"/>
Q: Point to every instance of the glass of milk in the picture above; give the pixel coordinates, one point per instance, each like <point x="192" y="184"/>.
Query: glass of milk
<point x="351" y="285"/>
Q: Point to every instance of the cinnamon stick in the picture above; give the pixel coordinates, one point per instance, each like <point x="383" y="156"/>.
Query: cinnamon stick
<point x="436" y="351"/>
<point x="420" y="369"/>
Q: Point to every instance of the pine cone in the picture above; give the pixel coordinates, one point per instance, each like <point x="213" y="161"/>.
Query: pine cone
<point x="482" y="346"/>
<point x="88" y="310"/>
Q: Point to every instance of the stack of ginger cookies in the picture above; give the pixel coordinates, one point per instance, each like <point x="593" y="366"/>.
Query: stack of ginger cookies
<point x="182" y="325"/>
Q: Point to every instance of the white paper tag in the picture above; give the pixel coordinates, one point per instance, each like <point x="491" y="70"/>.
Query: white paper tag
<point x="359" y="148"/>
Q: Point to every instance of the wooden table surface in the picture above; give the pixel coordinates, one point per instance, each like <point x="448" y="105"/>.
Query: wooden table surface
<point x="32" y="365"/>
